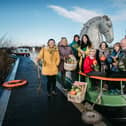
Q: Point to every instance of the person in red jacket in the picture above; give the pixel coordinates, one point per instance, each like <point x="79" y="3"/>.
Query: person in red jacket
<point x="90" y="66"/>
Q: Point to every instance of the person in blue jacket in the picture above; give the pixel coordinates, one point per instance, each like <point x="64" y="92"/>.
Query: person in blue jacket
<point x="115" y="58"/>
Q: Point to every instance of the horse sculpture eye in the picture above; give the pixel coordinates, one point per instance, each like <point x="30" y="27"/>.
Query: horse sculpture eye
<point x="109" y="25"/>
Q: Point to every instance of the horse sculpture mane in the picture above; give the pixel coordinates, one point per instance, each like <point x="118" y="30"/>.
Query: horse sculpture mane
<point x="89" y="22"/>
<point x="96" y="28"/>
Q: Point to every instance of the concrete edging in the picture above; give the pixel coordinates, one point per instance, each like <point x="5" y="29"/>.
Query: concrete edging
<point x="6" y="93"/>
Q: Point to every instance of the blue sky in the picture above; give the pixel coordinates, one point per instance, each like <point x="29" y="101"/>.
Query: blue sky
<point x="33" y="22"/>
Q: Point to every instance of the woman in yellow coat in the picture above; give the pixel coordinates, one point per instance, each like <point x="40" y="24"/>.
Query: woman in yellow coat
<point x="50" y="59"/>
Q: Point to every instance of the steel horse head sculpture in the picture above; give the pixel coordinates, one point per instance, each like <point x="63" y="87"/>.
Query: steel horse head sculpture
<point x="98" y="27"/>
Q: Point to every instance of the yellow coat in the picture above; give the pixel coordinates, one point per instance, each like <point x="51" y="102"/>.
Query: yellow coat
<point x="50" y="59"/>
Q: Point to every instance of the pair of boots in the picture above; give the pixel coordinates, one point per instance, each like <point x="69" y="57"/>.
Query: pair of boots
<point x="53" y="93"/>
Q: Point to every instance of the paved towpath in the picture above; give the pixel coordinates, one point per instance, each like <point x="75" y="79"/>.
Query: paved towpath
<point x="27" y="108"/>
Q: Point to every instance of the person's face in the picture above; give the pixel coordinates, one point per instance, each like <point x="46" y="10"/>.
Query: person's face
<point x="85" y="39"/>
<point x="51" y="44"/>
<point x="123" y="44"/>
<point x="103" y="46"/>
<point x="76" y="39"/>
<point x="92" y="53"/>
<point x="64" y="42"/>
<point x="116" y="48"/>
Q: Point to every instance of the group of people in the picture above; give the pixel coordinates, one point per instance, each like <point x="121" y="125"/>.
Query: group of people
<point x="103" y="61"/>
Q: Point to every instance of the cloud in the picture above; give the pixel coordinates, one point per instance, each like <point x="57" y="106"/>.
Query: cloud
<point x="81" y="15"/>
<point x="77" y="14"/>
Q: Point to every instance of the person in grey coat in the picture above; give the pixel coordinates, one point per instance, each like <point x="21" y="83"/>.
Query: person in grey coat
<point x="102" y="56"/>
<point x="65" y="51"/>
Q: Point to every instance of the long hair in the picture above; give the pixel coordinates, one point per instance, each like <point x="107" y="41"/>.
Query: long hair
<point x="88" y="44"/>
<point x="61" y="41"/>
<point x="106" y="45"/>
<point x="76" y="35"/>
